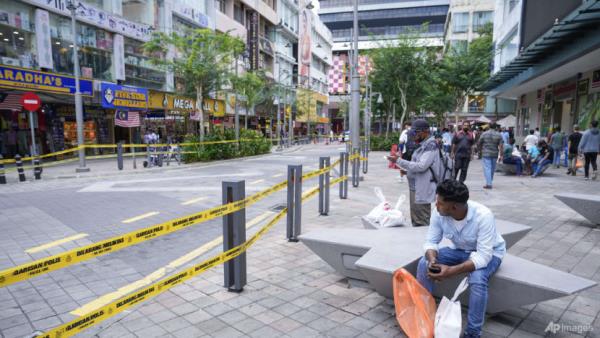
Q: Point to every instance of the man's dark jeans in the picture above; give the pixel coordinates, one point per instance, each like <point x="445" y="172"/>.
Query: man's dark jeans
<point x="462" y="164"/>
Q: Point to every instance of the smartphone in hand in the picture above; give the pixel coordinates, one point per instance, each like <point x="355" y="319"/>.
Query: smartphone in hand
<point x="434" y="269"/>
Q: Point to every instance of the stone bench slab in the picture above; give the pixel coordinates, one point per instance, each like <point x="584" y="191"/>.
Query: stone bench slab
<point x="374" y="255"/>
<point x="587" y="206"/>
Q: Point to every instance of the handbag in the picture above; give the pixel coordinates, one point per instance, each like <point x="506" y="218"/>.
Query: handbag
<point x="448" y="319"/>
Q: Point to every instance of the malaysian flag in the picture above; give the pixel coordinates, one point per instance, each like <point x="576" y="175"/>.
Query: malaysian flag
<point x="10" y="102"/>
<point x="127" y="119"/>
<point x="596" y="79"/>
<point x="540" y="96"/>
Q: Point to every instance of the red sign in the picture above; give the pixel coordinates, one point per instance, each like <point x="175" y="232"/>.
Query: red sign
<point x="31" y="101"/>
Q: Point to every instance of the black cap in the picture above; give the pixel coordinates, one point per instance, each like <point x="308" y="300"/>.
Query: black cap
<point x="420" y="125"/>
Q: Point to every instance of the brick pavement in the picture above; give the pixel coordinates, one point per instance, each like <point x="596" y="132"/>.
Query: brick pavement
<point x="292" y="293"/>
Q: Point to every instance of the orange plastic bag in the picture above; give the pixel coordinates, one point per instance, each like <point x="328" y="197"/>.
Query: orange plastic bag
<point x="579" y="163"/>
<point x="415" y="307"/>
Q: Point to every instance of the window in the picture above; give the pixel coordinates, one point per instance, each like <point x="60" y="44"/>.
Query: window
<point x="460" y="22"/>
<point x="238" y="12"/>
<point x="476" y="103"/>
<point x="509" y="50"/>
<point x="17" y="41"/>
<point x="480" y="19"/>
<point x="459" y="46"/>
<point x="220" y="4"/>
<point x="139" y="71"/>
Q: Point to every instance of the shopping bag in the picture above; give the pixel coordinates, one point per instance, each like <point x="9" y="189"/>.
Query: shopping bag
<point x="579" y="163"/>
<point x="376" y="213"/>
<point x="415" y="307"/>
<point x="448" y="319"/>
<point x="384" y="214"/>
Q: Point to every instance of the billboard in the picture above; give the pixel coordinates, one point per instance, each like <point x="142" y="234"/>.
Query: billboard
<point x="304" y="45"/>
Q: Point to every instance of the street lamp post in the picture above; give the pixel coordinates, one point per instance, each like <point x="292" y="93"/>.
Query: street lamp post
<point x="354" y="110"/>
<point x="78" y="101"/>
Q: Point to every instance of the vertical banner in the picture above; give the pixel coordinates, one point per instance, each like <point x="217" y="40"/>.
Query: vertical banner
<point x="253" y="43"/>
<point x="119" y="57"/>
<point x="42" y="37"/>
<point x="304" y="46"/>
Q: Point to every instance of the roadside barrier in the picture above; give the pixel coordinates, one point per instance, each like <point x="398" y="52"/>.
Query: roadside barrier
<point x="233" y="256"/>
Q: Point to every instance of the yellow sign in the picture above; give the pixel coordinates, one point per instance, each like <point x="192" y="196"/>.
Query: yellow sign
<point x="322" y="119"/>
<point x="214" y="107"/>
<point x="161" y="100"/>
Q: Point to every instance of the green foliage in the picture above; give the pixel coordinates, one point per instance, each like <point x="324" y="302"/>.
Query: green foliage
<point x="253" y="143"/>
<point x="252" y="85"/>
<point x="383" y="143"/>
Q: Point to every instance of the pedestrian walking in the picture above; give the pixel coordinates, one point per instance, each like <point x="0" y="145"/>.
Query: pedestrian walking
<point x="424" y="162"/>
<point x="491" y="147"/>
<point x="589" y="147"/>
<point x="531" y="140"/>
<point x="462" y="144"/>
<point x="573" y="149"/>
<point x="556" y="142"/>
<point x="505" y="135"/>
<point x="330" y="136"/>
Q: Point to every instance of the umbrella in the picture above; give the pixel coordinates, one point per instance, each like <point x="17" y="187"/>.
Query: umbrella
<point x="483" y="119"/>
<point x="509" y="121"/>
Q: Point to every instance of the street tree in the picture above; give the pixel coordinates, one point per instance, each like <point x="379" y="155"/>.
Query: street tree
<point x="252" y="87"/>
<point x="437" y="97"/>
<point x="464" y="70"/>
<point x="399" y="74"/>
<point x="202" y="60"/>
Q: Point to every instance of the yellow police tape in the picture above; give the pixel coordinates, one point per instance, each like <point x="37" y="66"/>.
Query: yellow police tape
<point x="99" y="315"/>
<point x="59" y="261"/>
<point x="94" y="317"/>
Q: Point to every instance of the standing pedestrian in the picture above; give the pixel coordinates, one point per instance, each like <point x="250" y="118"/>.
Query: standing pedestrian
<point x="462" y="143"/>
<point x="491" y="147"/>
<point x="573" y="149"/>
<point x="531" y="140"/>
<point x="505" y="135"/>
<point x="556" y="141"/>
<point x="422" y="184"/>
<point x="447" y="139"/>
<point x="330" y="136"/>
<point x="537" y="132"/>
<point x="590" y="146"/>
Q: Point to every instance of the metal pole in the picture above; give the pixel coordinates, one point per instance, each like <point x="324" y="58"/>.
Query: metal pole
<point x="33" y="145"/>
<point x="354" y="111"/>
<point x="234" y="234"/>
<point x="120" y="155"/>
<point x="294" y="202"/>
<point x="344" y="172"/>
<point x="324" y="186"/>
<point x="278" y="129"/>
<point x="78" y="101"/>
<point x="291" y="127"/>
<point x="235" y="106"/>
<point x="366" y="118"/>
<point x="355" y="167"/>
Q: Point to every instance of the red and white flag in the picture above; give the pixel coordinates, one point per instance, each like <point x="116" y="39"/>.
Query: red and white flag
<point x="127" y="119"/>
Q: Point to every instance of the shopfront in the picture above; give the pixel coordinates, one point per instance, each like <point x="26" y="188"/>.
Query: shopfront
<point x="50" y="122"/>
<point x="132" y="100"/>
<point x="168" y="115"/>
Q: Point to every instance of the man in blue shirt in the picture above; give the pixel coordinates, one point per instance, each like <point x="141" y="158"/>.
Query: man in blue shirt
<point x="476" y="248"/>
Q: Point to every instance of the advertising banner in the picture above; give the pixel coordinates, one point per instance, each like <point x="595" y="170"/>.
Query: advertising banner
<point x="25" y="79"/>
<point x="304" y="46"/>
<point x="117" y="96"/>
<point x="42" y="37"/>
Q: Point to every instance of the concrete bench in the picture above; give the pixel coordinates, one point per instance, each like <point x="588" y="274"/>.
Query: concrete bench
<point x="509" y="169"/>
<point x="374" y="255"/>
<point x="587" y="206"/>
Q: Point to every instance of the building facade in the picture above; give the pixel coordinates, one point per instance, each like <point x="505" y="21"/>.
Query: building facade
<point x="465" y="19"/>
<point x="548" y="65"/>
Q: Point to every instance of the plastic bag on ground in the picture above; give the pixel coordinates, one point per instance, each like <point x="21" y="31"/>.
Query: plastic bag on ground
<point x="448" y="319"/>
<point x="384" y="215"/>
<point x="415" y="307"/>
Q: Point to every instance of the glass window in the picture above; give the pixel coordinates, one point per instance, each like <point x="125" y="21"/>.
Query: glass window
<point x="238" y="12"/>
<point x="139" y="71"/>
<point x="476" y="103"/>
<point x="95" y="58"/>
<point x="460" y="22"/>
<point x="220" y="5"/>
<point x="181" y="27"/>
<point x="480" y="19"/>
<point x="508" y="50"/>
<point x="17" y="41"/>
<point x="459" y="45"/>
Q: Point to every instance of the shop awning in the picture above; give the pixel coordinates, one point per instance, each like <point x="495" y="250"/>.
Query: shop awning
<point x="10" y="102"/>
<point x="483" y="119"/>
<point x="559" y="37"/>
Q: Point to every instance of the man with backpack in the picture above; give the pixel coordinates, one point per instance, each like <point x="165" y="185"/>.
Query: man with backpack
<point x="424" y="170"/>
<point x="462" y="144"/>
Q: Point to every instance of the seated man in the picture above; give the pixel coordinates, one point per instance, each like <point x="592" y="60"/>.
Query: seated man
<point x="511" y="158"/>
<point x="477" y="249"/>
<point x="546" y="157"/>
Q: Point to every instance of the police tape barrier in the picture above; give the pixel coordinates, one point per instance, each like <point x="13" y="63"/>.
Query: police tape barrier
<point x="99" y="315"/>
<point x="103" y="313"/>
<point x="68" y="258"/>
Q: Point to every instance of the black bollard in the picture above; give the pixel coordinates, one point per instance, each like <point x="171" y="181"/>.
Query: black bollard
<point x="37" y="168"/>
<point x="120" y="155"/>
<point x="20" y="170"/>
<point x="2" y="174"/>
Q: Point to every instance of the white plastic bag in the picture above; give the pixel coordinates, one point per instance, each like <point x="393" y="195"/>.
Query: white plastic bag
<point x="448" y="319"/>
<point x="384" y="215"/>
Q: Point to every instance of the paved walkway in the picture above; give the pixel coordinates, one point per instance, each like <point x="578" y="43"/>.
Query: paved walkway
<point x="291" y="292"/>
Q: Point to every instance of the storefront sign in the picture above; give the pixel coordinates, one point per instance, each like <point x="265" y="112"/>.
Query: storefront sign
<point x="583" y="87"/>
<point x="193" y="15"/>
<point x="253" y="41"/>
<point x="564" y="90"/>
<point x="119" y="57"/>
<point x="214" y="107"/>
<point x="100" y="18"/>
<point x="161" y="100"/>
<point x="25" y="79"/>
<point x="42" y="37"/>
<point x="116" y="96"/>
